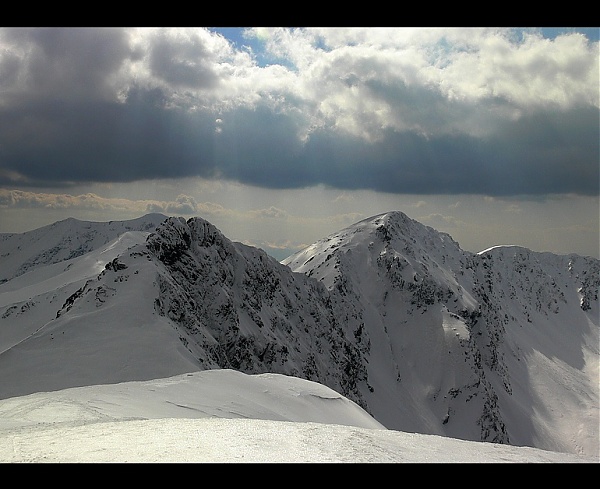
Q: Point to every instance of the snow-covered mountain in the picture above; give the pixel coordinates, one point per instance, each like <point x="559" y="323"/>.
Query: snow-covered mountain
<point x="501" y="346"/>
<point x="61" y="241"/>
<point x="486" y="346"/>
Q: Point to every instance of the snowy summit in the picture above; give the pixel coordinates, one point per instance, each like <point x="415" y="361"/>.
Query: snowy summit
<point x="161" y="340"/>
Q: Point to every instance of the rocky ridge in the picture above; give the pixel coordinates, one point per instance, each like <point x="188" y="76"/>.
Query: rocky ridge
<point x="388" y="312"/>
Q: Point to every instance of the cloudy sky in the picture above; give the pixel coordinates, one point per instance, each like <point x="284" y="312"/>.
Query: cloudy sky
<point x="282" y="136"/>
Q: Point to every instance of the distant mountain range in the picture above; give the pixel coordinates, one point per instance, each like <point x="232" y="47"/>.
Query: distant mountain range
<point x="500" y="346"/>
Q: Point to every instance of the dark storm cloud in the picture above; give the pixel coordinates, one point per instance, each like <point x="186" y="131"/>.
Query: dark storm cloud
<point x="550" y="152"/>
<point x="261" y="148"/>
<point x="56" y="142"/>
<point x="101" y="105"/>
<point x="66" y="62"/>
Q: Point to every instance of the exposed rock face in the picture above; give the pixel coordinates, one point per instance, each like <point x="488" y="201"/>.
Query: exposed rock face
<point x="451" y="321"/>
<point x="238" y="308"/>
<point x="390" y="313"/>
<point x="442" y="318"/>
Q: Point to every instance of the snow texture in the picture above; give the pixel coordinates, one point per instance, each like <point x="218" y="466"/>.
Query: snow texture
<point x="424" y="341"/>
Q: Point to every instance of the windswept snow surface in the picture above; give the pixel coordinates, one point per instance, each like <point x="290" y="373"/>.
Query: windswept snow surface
<point x="453" y="346"/>
<point x="63" y="240"/>
<point x="224" y="416"/>
<point x="51" y="277"/>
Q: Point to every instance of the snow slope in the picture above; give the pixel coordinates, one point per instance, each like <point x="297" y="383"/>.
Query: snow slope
<point x="392" y="315"/>
<point x="501" y="344"/>
<point x="224" y="416"/>
<point x="63" y="240"/>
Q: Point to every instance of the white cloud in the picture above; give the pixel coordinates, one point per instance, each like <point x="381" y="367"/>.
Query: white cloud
<point x="195" y="67"/>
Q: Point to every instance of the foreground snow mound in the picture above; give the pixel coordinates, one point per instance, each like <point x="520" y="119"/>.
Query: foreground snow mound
<point x="223" y="416"/>
<point x="500" y="346"/>
<point x="206" y="394"/>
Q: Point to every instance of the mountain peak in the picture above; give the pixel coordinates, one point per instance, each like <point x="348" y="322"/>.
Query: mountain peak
<point x="63" y="240"/>
<point x="373" y="236"/>
<point x="388" y="312"/>
<point x="175" y="236"/>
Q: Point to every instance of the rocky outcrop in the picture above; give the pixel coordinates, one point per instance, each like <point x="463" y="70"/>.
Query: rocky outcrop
<point x="236" y="307"/>
<point x="392" y="314"/>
